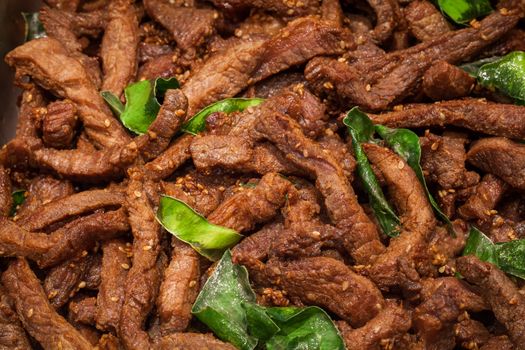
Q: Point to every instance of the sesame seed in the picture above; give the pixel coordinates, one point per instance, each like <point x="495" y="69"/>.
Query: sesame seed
<point x="345" y="285"/>
<point x="368" y="87"/>
<point x="125" y="266"/>
<point x="192" y="284"/>
<point x="137" y="194"/>
<point x="30" y="312"/>
<point x="82" y="285"/>
<point x="107" y="123"/>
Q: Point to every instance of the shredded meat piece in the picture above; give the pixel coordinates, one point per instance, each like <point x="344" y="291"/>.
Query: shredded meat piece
<point x="63" y="281"/>
<point x="228" y="72"/>
<point x="485" y="198"/>
<point x="112" y="284"/>
<point x="328" y="283"/>
<point x="190" y="341"/>
<point x="444" y="81"/>
<point x="167" y="123"/>
<point x="377" y="82"/>
<point x="143" y="279"/>
<point x="51" y="210"/>
<point x="504" y="298"/>
<point x="40" y="320"/>
<point x="178" y="289"/>
<point x="501" y="157"/>
<point x="60" y="25"/>
<point x="425" y="22"/>
<point x="390" y="323"/>
<point x="477" y="115"/>
<point x="171" y="159"/>
<point x="119" y="47"/>
<point x="6" y="199"/>
<point x="443" y="301"/>
<point x="395" y="266"/>
<point x="12" y="335"/>
<point x="188" y="26"/>
<point x="82" y="310"/>
<point x="443" y="159"/>
<point x="361" y="237"/>
<point x="58" y="124"/>
<point x="33" y="59"/>
<point x="245" y="209"/>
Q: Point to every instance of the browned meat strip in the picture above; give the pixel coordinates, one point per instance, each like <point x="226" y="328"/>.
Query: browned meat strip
<point x="228" y="72"/>
<point x="501" y="157"/>
<point x="360" y="236"/>
<point x="148" y="51"/>
<point x="254" y="249"/>
<point x="444" y="81"/>
<point x="305" y="234"/>
<point x="44" y="60"/>
<point x="58" y="124"/>
<point x="330" y="284"/>
<point x="275" y="84"/>
<point x="504" y="298"/>
<point x="390" y="324"/>
<point x="247" y="208"/>
<point x="189" y="26"/>
<point x="444" y="247"/>
<point x="179" y="288"/>
<point x="257" y="23"/>
<point x="12" y="334"/>
<point x="333" y="143"/>
<point x="119" y="47"/>
<point x="386" y="12"/>
<point x="159" y="67"/>
<point x="76" y="165"/>
<point x="112" y="284"/>
<point x="142" y="282"/>
<point x="416" y="216"/>
<point x="64" y="280"/>
<point x="283" y="8"/>
<point x="82" y="234"/>
<point x="331" y="11"/>
<point x="227" y="152"/>
<point x="204" y="193"/>
<point x="70" y="240"/>
<point x="377" y="82"/>
<point x="66" y="5"/>
<point x="92" y="275"/>
<point x="513" y="41"/>
<point x="477" y="115"/>
<point x="425" y="22"/>
<point x="60" y="26"/>
<point x="444" y="300"/>
<point x="14" y="241"/>
<point x="443" y="160"/>
<point x="53" y="210"/>
<point x="171" y="159"/>
<point x="82" y="310"/>
<point x="501" y="342"/>
<point x="6" y="198"/>
<point x="40" y="320"/>
<point x="470" y="333"/>
<point x="485" y="198"/>
<point x="167" y="123"/>
<point x="191" y="341"/>
<point x="31" y="103"/>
